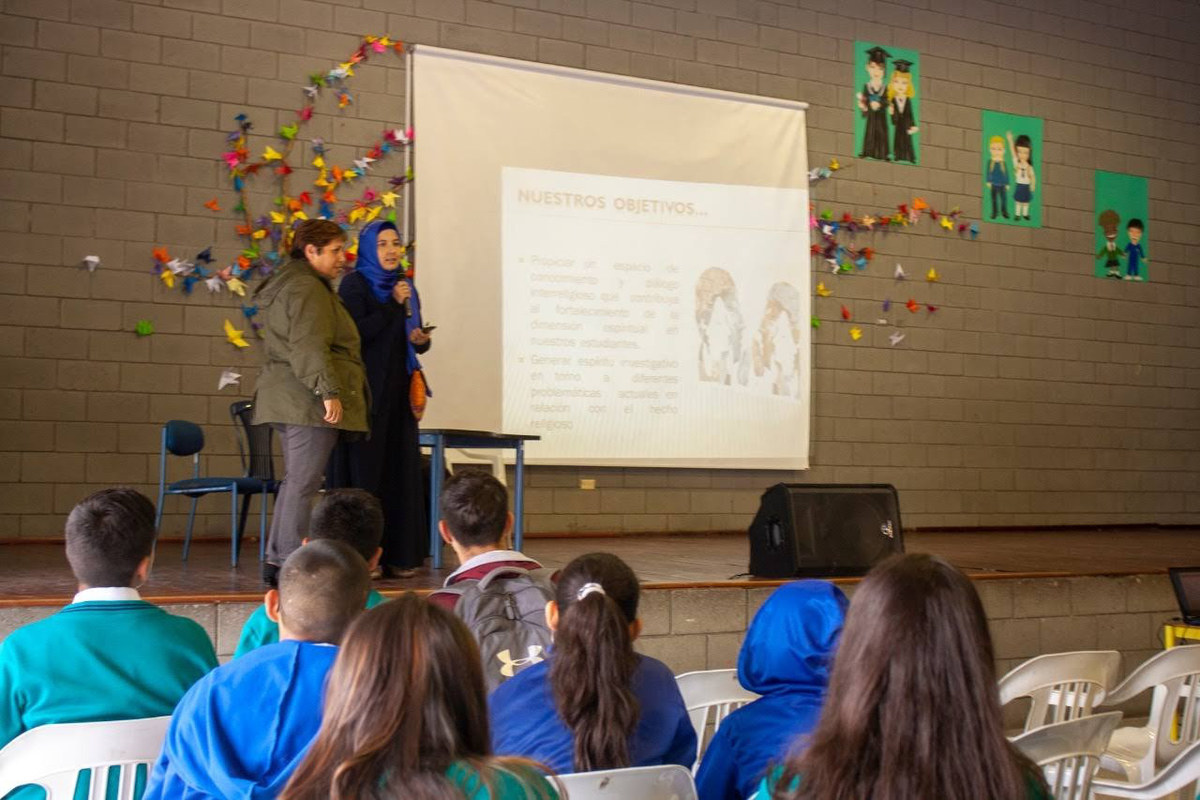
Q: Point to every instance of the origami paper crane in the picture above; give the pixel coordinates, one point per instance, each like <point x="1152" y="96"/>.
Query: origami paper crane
<point x="228" y="378"/>
<point x="213" y="205"/>
<point x="887" y="305"/>
<point x="168" y="278"/>
<point x="856" y="333"/>
<point x="932" y="275"/>
<point x="271" y="154"/>
<point x="289" y="131"/>
<point x="389" y="199"/>
<point x="900" y="273"/>
<point x="948" y="223"/>
<point x="816" y="322"/>
<point x="362" y="163"/>
<point x="236" y="286"/>
<point x="845" y="313"/>
<point x="144" y="327"/>
<point x="896" y="338"/>
<point x="821" y="290"/>
<point x="160" y="255"/>
<point x="913" y="306"/>
<point x="91" y="262"/>
<point x="205" y="255"/>
<point x="215" y="284"/>
<point x="234" y="336"/>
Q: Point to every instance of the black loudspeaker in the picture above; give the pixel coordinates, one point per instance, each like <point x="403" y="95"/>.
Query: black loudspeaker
<point x="824" y="530"/>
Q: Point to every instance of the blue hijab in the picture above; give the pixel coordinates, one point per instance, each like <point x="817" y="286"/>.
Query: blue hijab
<point x="380" y="280"/>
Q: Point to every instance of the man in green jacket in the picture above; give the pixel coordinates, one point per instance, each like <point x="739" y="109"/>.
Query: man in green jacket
<point x="313" y="384"/>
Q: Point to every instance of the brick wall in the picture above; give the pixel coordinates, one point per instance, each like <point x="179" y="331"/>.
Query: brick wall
<point x="1037" y="394"/>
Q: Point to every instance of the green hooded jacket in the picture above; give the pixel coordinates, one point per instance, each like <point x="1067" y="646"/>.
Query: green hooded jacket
<point x="313" y="352"/>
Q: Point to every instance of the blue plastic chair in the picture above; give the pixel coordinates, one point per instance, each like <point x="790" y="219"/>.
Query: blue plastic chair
<point x="182" y="438"/>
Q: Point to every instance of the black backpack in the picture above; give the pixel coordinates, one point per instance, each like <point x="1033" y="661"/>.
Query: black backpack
<point x="506" y="612"/>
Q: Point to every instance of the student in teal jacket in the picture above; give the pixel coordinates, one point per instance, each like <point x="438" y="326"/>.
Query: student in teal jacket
<point x="352" y="516"/>
<point x="109" y="655"/>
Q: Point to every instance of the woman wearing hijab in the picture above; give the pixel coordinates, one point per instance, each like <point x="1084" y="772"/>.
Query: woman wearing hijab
<point x="387" y="310"/>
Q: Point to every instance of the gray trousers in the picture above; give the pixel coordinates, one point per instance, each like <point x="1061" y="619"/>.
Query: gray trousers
<point x="306" y="451"/>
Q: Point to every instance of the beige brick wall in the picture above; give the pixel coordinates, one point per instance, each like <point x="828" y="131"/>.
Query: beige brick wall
<point x="1037" y="395"/>
<point x="692" y="629"/>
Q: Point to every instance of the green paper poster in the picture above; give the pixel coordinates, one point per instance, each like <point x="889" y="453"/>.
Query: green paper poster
<point x="1122" y="227"/>
<point x="887" y="103"/>
<point x="1012" y="169"/>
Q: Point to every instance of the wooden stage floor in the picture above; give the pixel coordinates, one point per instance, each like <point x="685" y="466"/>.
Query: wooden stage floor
<point x="36" y="574"/>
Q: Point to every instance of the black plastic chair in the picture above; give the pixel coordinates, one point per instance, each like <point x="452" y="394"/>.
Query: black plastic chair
<point x="258" y="462"/>
<point x="183" y="438"/>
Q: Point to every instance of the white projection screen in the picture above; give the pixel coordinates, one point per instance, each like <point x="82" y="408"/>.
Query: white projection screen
<point x="620" y="266"/>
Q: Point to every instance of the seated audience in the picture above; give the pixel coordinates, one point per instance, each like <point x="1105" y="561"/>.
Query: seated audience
<point x="912" y="709"/>
<point x="594" y="703"/>
<point x="475" y="519"/>
<point x="108" y="655"/>
<point x="786" y="658"/>
<point x="406" y="716"/>
<point x="352" y="516"/>
<point x="240" y="732"/>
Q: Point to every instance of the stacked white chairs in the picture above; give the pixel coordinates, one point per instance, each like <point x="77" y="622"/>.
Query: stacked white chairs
<point x="1177" y="779"/>
<point x="1061" y="686"/>
<point x="710" y="696"/>
<point x="1174" y="724"/>
<point x="669" y="782"/>
<point x="52" y="756"/>
<point x="1069" y="752"/>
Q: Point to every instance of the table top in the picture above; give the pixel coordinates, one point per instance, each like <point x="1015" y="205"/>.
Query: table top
<point x="456" y="432"/>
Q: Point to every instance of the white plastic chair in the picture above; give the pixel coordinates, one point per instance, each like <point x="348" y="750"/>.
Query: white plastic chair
<point x="51" y="756"/>
<point x="1174" y="722"/>
<point x="1178" y="776"/>
<point x="710" y="696"/>
<point x="1061" y="686"/>
<point x="667" y="782"/>
<point x="492" y="458"/>
<point x="1069" y="752"/>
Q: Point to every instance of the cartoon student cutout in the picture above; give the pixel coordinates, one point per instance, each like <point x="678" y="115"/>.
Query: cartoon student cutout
<point x="900" y="96"/>
<point x="1134" y="251"/>
<point x="1026" y="179"/>
<point x="997" y="177"/>
<point x="872" y="102"/>
<point x="1109" y="220"/>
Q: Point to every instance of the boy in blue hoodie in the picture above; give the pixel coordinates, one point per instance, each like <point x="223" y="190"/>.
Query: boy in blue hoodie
<point x="240" y="732"/>
<point x="786" y="658"/>
<point x="352" y="516"/>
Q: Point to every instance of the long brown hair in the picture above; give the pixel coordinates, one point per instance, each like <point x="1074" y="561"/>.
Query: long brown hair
<point x="591" y="672"/>
<point x="912" y="709"/>
<point x="405" y="700"/>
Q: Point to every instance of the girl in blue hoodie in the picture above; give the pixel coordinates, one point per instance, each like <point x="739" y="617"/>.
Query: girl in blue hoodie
<point x="785" y="658"/>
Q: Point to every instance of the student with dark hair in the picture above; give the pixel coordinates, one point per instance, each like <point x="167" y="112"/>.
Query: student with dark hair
<point x="312" y="385"/>
<point x="241" y="731"/>
<point x="406" y="716"/>
<point x="785" y="658"/>
<point x="594" y="703"/>
<point x="352" y="516"/>
<point x="475" y="520"/>
<point x="108" y="655"/>
<point x="1134" y="252"/>
<point x="913" y="709"/>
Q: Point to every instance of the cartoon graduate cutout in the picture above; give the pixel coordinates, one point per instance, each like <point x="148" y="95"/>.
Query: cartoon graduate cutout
<point x="872" y="104"/>
<point x="900" y="95"/>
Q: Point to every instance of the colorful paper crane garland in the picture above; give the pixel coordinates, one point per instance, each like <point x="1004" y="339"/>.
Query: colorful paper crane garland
<point x="266" y="237"/>
<point x="843" y="258"/>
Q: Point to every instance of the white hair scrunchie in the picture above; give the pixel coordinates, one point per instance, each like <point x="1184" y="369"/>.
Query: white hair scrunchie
<point x="589" y="588"/>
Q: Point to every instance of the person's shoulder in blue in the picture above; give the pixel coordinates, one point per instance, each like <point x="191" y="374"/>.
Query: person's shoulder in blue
<point x="594" y="703"/>
<point x="352" y="516"/>
<point x="423" y="736"/>
<point x="786" y="657"/>
<point x="108" y="655"/>
<point x="240" y="732"/>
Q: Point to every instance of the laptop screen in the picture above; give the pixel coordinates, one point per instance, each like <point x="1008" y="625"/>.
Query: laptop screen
<point x="1186" y="581"/>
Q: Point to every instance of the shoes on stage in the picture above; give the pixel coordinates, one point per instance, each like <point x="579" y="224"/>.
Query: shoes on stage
<point x="390" y="571"/>
<point x="270" y="576"/>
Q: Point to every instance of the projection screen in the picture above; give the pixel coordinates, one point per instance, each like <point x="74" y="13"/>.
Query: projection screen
<point x="618" y="265"/>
